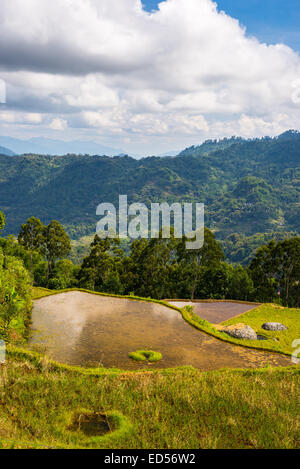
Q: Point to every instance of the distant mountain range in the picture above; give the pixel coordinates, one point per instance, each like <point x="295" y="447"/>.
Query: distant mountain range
<point x="6" y="151"/>
<point x="169" y="153"/>
<point x="47" y="146"/>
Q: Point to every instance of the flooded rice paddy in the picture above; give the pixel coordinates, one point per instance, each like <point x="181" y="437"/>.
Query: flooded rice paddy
<point x="217" y="311"/>
<point x="83" y="329"/>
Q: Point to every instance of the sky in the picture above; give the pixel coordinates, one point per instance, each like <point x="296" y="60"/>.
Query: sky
<point x="149" y="78"/>
<point x="271" y="21"/>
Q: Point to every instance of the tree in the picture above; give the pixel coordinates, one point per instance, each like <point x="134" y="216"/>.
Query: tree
<point x="15" y="294"/>
<point x="132" y="266"/>
<point x="214" y="281"/>
<point x="51" y="241"/>
<point x="276" y="268"/>
<point x="154" y="268"/>
<point x="31" y="237"/>
<point x="100" y="269"/>
<point x="209" y="255"/>
<point x="63" y="275"/>
<point x="241" y="285"/>
<point x="287" y="258"/>
<point x="262" y="269"/>
<point x="31" y="260"/>
<point x="55" y="244"/>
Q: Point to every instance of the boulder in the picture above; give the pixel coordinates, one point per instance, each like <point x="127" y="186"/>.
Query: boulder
<point x="274" y="326"/>
<point x="240" y="331"/>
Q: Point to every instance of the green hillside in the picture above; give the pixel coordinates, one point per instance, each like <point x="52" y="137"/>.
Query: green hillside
<point x="249" y="187"/>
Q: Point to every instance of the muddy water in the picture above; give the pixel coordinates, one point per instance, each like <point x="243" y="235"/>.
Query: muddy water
<point x="216" y="312"/>
<point x="89" y="330"/>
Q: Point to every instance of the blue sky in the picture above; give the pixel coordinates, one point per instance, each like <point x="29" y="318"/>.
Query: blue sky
<point x="147" y="84"/>
<point x="271" y="21"/>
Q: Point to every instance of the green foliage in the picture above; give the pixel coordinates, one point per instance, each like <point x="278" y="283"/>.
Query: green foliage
<point x="52" y="243"/>
<point x="241" y="284"/>
<point x="241" y="249"/>
<point x="15" y="296"/>
<point x="64" y="275"/>
<point x="224" y="282"/>
<point x="55" y="243"/>
<point x="31" y="236"/>
<point x="2" y="221"/>
<point x="248" y="187"/>
<point x="276" y="270"/>
<point x="12" y="248"/>
<point x="164" y="268"/>
<point x="146" y="355"/>
<point x="192" y="263"/>
<point x="100" y="270"/>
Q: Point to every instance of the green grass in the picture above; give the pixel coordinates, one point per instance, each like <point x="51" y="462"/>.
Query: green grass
<point x="118" y="427"/>
<point x="180" y="408"/>
<point x="264" y="313"/>
<point x="146" y="355"/>
<point x="273" y="313"/>
<point x="167" y="409"/>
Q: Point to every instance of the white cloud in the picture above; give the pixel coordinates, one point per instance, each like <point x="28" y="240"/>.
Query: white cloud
<point x="185" y="70"/>
<point x="28" y="118"/>
<point x="91" y="93"/>
<point x="58" y="124"/>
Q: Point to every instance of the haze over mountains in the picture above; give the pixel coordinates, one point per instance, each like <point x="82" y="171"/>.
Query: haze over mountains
<point x="6" y="151"/>
<point x="45" y="146"/>
<point x="48" y="146"/>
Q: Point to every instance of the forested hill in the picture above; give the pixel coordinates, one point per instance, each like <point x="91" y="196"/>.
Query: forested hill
<point x="248" y="187"/>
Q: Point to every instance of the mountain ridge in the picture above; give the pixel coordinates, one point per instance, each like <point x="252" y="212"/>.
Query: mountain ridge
<point x="249" y="187"/>
<point x="55" y="147"/>
<point x="6" y="151"/>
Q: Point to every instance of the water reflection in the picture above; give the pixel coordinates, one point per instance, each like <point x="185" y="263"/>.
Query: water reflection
<point x="89" y="330"/>
<point x="218" y="311"/>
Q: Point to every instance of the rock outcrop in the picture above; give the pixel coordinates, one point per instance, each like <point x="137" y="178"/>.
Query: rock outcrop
<point x="240" y="331"/>
<point x="274" y="326"/>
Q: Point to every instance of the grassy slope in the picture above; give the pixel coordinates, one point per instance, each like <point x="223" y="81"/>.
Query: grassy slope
<point x="272" y="313"/>
<point x="181" y="408"/>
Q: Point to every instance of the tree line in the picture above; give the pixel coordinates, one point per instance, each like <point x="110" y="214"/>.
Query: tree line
<point x="158" y="268"/>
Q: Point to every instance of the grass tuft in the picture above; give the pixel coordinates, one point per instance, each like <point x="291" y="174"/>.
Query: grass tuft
<point x="146" y="355"/>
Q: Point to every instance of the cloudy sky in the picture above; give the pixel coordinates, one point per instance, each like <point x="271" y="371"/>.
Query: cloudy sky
<point x="150" y="78"/>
